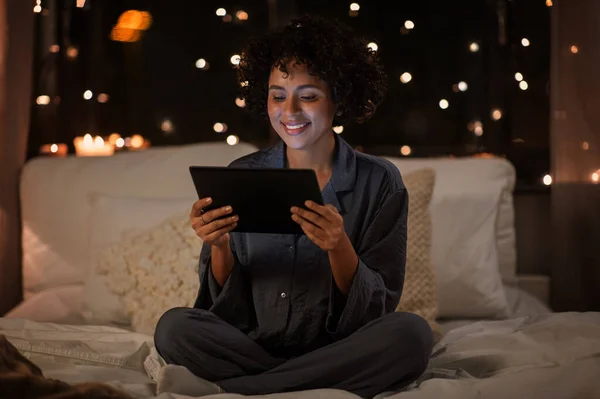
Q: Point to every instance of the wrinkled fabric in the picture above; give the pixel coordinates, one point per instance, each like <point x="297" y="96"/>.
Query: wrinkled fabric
<point x="281" y="291"/>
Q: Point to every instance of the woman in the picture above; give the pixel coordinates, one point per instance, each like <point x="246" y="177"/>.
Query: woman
<point x="296" y="312"/>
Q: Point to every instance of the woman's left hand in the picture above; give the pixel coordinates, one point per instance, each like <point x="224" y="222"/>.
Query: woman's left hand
<point x="323" y="225"/>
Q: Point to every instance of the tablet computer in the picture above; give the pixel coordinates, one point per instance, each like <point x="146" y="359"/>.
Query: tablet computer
<point x="261" y="197"/>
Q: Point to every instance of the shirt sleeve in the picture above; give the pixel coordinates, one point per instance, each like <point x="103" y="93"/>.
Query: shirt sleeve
<point x="232" y="302"/>
<point x="379" y="278"/>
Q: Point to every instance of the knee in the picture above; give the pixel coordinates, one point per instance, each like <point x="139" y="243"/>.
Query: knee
<point x="171" y="329"/>
<point x="410" y="336"/>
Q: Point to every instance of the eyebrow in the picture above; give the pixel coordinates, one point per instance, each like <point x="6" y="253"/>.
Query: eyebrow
<point x="275" y="87"/>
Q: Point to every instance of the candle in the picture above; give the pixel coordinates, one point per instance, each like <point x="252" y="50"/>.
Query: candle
<point x="54" y="150"/>
<point x="87" y="146"/>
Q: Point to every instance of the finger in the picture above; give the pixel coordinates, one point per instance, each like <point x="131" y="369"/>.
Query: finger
<point x="311" y="216"/>
<point x="198" y="223"/>
<point x="308" y="226"/>
<point x="318" y="241"/>
<point x="216" y="214"/>
<point x="199" y="206"/>
<point x="329" y="212"/>
<point x="215" y="235"/>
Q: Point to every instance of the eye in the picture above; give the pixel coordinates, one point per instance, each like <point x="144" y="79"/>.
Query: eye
<point x="278" y="98"/>
<point x="309" y="98"/>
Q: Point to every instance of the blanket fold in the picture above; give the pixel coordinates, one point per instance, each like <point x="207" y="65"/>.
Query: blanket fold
<point x="22" y="379"/>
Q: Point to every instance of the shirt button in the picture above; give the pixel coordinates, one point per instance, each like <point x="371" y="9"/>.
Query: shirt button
<point x="283" y="295"/>
<point x="291" y="249"/>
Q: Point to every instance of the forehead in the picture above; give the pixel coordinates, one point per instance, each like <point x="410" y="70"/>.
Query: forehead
<point x="296" y="75"/>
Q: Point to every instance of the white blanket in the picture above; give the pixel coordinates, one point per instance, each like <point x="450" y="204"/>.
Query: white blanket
<point x="548" y="356"/>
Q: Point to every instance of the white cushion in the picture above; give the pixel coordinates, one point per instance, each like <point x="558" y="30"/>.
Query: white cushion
<point x="473" y="237"/>
<point x="113" y="219"/>
<point x="56" y="209"/>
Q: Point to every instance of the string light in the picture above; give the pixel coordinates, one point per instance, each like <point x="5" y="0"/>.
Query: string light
<point x="201" y="63"/>
<point x="405" y="150"/>
<point x="232" y="139"/>
<point x="549" y="3"/>
<point x="547" y="180"/>
<point x="55" y="48"/>
<point x="523" y="85"/>
<point x="338" y="129"/>
<point x="37" y="9"/>
<point x="462" y="86"/>
<point x="354" y="7"/>
<point x="574" y="49"/>
<point x="241" y="15"/>
<point x="103" y="98"/>
<point x="496" y="114"/>
<point x="166" y="126"/>
<point x="405" y="77"/>
<point x="221" y="12"/>
<point x="474" y="47"/>
<point x="444" y="104"/>
<point x="43" y="100"/>
<point x="596" y="176"/>
<point x="72" y="52"/>
<point x="240" y="102"/>
<point x="518" y="76"/>
<point x="585" y="146"/>
<point x="235" y="59"/>
<point x="373" y="46"/>
<point x="80" y="3"/>
<point x="525" y="42"/>
<point x="409" y="25"/>
<point x="220" y="127"/>
<point x="87" y="94"/>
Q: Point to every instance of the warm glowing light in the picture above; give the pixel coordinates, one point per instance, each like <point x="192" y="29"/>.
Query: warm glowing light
<point x="43" y="100"/>
<point x="92" y="146"/>
<point x="478" y="130"/>
<point x="55" y="48"/>
<point x="338" y="129"/>
<point x="354" y="7"/>
<point x="409" y="25"/>
<point x="87" y="94"/>
<point x="244" y="83"/>
<point x="444" y="104"/>
<point x="80" y="3"/>
<point x="463" y="86"/>
<point x="221" y="12"/>
<point x="232" y="139"/>
<point x="547" y="180"/>
<point x="201" y="63"/>
<point x="220" y="127"/>
<point x="585" y="146"/>
<point x="241" y="15"/>
<point x="235" y="59"/>
<point x="72" y="52"/>
<point x="166" y="126"/>
<point x="496" y="114"/>
<point x="405" y="150"/>
<point x="405" y="77"/>
<point x="53" y="148"/>
<point x="549" y="3"/>
<point x="373" y="46"/>
<point x="119" y="143"/>
<point x="113" y="138"/>
<point x="130" y="26"/>
<point x="523" y="85"/>
<point x="596" y="176"/>
<point x="525" y="42"/>
<point x="574" y="49"/>
<point x="518" y="76"/>
<point x="240" y="102"/>
<point x="474" y="47"/>
<point x="103" y="98"/>
<point x="37" y="9"/>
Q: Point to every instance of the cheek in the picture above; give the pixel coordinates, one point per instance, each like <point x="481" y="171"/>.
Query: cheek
<point x="273" y="109"/>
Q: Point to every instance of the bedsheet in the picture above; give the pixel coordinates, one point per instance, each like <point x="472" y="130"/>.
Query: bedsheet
<point x="554" y="355"/>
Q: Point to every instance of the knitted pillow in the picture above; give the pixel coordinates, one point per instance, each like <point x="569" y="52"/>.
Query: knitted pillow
<point x="420" y="291"/>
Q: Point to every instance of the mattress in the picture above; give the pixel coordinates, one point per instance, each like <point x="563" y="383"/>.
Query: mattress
<point x="549" y="355"/>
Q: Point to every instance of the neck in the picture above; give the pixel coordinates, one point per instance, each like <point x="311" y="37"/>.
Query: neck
<point x="319" y="156"/>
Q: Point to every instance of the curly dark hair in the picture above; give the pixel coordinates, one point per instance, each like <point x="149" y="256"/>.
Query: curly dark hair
<point x="331" y="51"/>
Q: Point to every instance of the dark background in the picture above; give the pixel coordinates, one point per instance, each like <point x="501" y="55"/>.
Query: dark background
<point x="155" y="79"/>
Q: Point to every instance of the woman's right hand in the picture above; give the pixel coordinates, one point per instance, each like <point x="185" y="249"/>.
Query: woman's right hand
<point x="212" y="227"/>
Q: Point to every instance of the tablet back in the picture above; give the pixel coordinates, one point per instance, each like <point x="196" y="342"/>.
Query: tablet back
<point x="261" y="197"/>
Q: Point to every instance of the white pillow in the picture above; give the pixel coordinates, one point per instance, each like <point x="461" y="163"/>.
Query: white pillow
<point x="111" y="217"/>
<point x="464" y="252"/>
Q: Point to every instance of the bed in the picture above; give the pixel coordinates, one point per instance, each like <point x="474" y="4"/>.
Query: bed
<point x="88" y="314"/>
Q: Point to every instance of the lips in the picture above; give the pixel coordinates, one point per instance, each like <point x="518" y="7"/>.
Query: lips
<point x="295" y="128"/>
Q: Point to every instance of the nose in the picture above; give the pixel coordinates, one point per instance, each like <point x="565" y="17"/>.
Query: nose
<point x="291" y="106"/>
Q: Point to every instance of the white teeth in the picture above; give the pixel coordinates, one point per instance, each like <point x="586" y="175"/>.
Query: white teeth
<point x="296" y="126"/>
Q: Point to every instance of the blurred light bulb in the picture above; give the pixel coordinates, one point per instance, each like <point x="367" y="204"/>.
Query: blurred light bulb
<point x="119" y="142"/>
<point x="72" y="52"/>
<point x="221" y="12"/>
<point x="547" y="180"/>
<point x="518" y="76"/>
<point x="525" y="42"/>
<point x="241" y="15"/>
<point x="409" y="24"/>
<point x="474" y="47"/>
<point x="220" y="127"/>
<point x="496" y="114"/>
<point x="574" y="49"/>
<point x="585" y="146"/>
<point x="55" y="48"/>
<point x="240" y="102"/>
<point x="596" y="176"/>
<point x="37" y="9"/>
<point x="523" y="85"/>
<point x="444" y="104"/>
<point x="373" y="46"/>
<point x="137" y="141"/>
<point x="549" y="3"/>
<point x="232" y="139"/>
<point x="235" y="59"/>
<point x="405" y="150"/>
<point x="338" y="129"/>
<point x="87" y="94"/>
<point x="478" y="130"/>
<point x="53" y="148"/>
<point x="405" y="77"/>
<point x="166" y="126"/>
<point x="103" y="98"/>
<point x="43" y="100"/>
<point x="462" y="86"/>
<point x="354" y="7"/>
<point x="200" y="63"/>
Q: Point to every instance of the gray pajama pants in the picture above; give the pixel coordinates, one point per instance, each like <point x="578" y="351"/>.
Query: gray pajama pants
<point x="386" y="354"/>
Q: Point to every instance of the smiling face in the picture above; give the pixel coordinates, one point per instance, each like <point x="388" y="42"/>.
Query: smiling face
<point x="300" y="107"/>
